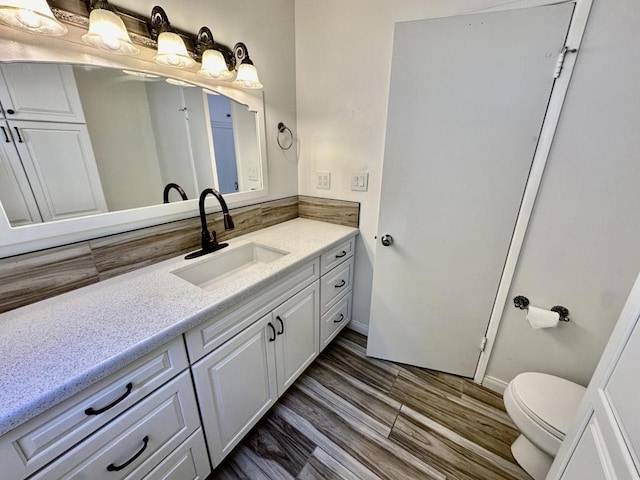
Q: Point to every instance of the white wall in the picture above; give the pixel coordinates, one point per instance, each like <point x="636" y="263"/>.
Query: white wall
<point x="120" y="113"/>
<point x="580" y="248"/>
<point x="267" y="28"/>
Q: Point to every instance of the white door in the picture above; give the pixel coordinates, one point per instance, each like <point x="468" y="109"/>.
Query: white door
<point x="15" y="192"/>
<point x="61" y="168"/>
<point x="236" y="384"/>
<point x="297" y="322"/>
<point x="467" y="101"/>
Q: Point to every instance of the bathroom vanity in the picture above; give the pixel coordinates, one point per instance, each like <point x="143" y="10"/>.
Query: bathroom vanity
<point x="112" y="380"/>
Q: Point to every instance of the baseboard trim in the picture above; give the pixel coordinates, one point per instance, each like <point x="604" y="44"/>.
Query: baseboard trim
<point x="361" y="328"/>
<point x="495" y="384"/>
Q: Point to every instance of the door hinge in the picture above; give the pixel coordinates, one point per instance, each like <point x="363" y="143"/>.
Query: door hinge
<point x="560" y="61"/>
<point x="483" y="344"/>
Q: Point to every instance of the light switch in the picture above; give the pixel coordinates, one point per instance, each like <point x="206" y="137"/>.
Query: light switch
<point x="323" y="180"/>
<point x="360" y="181"/>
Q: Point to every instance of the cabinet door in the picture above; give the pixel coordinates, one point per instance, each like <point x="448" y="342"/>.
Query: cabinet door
<point x="15" y="192"/>
<point x="236" y="385"/>
<point x="298" y="328"/>
<point x="59" y="163"/>
<point x="23" y="97"/>
<point x="591" y="459"/>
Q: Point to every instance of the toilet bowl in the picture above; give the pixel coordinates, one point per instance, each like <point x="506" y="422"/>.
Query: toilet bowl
<point x="542" y="407"/>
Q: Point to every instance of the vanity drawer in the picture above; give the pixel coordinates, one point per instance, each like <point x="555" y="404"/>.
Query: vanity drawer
<point x="335" y="284"/>
<point x="211" y="334"/>
<point x="189" y="461"/>
<point x="34" y="444"/>
<point x="133" y="444"/>
<point x="336" y="256"/>
<point x="334" y="320"/>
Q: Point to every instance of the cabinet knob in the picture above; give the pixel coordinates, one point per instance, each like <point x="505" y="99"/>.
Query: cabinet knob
<point x="11" y="111"/>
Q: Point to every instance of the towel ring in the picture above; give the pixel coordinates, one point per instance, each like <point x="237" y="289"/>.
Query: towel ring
<point x="282" y="128"/>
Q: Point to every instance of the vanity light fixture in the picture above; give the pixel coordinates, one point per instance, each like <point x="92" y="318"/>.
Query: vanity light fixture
<point x="107" y="30"/>
<point x="217" y="61"/>
<point x="172" y="52"/>
<point x="247" y="76"/>
<point x="33" y="16"/>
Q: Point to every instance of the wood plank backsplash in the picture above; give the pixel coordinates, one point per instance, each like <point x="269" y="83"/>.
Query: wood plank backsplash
<point x="34" y="276"/>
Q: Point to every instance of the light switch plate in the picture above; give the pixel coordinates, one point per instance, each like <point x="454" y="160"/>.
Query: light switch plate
<point x="323" y="180"/>
<point x="360" y="181"/>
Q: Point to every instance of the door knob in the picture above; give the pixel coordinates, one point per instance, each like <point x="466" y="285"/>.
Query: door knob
<point x="387" y="240"/>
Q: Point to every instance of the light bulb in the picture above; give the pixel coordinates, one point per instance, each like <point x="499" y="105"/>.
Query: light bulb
<point x="33" y="16"/>
<point x="247" y="77"/>
<point x="107" y="32"/>
<point x="172" y="51"/>
<point x="214" y="65"/>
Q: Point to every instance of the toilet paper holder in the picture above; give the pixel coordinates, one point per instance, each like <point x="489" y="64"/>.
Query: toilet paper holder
<point x="523" y="303"/>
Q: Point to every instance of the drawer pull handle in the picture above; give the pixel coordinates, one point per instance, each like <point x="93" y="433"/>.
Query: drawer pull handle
<point x="92" y="411"/>
<point x="116" y="468"/>
<point x="342" y="254"/>
<point x="6" y="137"/>
<point x="18" y="133"/>
<point x="341" y="284"/>
<point x="338" y="320"/>
<point x="281" y="325"/>
<point x="273" y="339"/>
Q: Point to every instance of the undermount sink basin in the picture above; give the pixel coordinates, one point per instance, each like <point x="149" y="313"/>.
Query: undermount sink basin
<point x="224" y="264"/>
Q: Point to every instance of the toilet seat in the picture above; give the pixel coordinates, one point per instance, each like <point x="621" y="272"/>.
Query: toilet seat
<point x="542" y="407"/>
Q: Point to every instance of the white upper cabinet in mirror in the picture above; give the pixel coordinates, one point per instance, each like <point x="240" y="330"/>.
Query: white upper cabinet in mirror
<point x="87" y="151"/>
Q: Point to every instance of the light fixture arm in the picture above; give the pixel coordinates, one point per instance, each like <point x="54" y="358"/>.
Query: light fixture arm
<point x="100" y="4"/>
<point x="241" y="53"/>
<point x="159" y="22"/>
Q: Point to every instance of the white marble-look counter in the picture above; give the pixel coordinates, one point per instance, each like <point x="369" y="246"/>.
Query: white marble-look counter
<point x="55" y="348"/>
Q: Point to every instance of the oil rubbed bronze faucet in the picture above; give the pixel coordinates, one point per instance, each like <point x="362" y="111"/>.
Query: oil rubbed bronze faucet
<point x="167" y="189"/>
<point x="209" y="240"/>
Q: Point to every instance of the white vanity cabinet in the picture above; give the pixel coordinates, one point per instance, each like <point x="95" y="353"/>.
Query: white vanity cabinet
<point x="240" y="380"/>
<point x="107" y="422"/>
<point x="336" y="284"/>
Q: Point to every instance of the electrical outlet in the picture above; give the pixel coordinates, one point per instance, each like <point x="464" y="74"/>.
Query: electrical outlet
<point x="323" y="180"/>
<point x="360" y="181"/>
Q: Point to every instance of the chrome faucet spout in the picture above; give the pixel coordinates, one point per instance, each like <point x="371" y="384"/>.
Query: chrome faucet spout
<point x="209" y="240"/>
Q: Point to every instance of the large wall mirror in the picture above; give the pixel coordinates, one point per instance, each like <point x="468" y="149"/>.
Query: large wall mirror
<point x="89" y="148"/>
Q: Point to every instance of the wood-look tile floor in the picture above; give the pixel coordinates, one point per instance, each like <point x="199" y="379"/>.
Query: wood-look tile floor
<point x="353" y="417"/>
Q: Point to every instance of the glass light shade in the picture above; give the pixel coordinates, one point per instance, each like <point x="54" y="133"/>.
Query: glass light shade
<point x="31" y="15"/>
<point x="107" y="32"/>
<point x="214" y="65"/>
<point x="172" y="51"/>
<point x="247" y="77"/>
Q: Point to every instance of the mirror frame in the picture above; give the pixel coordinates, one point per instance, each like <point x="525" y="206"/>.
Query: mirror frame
<point x="21" y="46"/>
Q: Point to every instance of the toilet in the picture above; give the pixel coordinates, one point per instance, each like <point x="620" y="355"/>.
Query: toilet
<point x="542" y="407"/>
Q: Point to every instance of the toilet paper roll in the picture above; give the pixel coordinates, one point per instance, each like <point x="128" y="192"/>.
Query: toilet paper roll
<point x="541" y="318"/>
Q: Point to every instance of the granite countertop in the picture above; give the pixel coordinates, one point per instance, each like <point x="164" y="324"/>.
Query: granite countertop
<point x="55" y="348"/>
